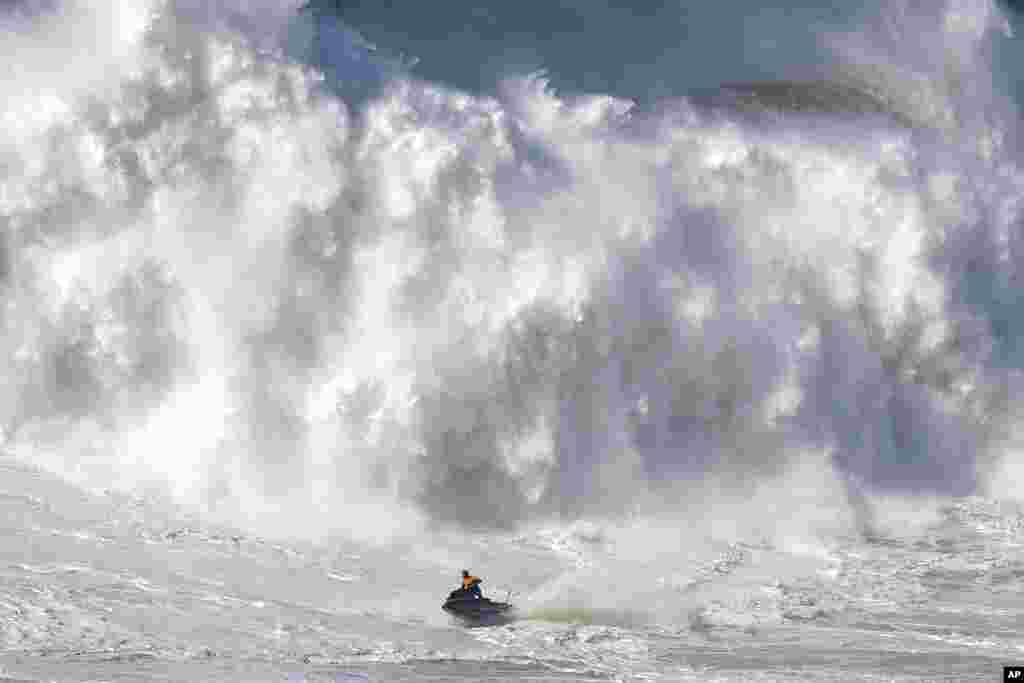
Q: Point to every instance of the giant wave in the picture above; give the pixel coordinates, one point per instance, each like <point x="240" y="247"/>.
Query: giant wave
<point x="227" y="280"/>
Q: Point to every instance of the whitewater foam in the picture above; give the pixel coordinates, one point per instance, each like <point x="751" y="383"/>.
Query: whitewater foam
<point x="224" y="284"/>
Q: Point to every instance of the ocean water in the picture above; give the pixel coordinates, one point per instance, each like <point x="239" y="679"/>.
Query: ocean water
<point x="695" y="331"/>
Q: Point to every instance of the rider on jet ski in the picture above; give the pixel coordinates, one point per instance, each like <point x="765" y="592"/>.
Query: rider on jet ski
<point x="468" y="604"/>
<point x="471" y="585"/>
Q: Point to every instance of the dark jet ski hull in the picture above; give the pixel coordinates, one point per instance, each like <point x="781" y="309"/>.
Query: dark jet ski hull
<point x="478" y="610"/>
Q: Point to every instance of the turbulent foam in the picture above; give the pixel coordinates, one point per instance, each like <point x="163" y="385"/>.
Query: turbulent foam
<point x="222" y="283"/>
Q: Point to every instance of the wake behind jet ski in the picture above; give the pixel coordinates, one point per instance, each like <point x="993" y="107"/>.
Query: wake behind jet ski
<point x="469" y="604"/>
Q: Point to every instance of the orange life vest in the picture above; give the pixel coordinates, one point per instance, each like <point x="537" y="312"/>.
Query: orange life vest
<point x="468" y="581"/>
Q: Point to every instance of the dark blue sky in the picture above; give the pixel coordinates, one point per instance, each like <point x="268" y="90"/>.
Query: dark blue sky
<point x="642" y="50"/>
<point x="636" y="50"/>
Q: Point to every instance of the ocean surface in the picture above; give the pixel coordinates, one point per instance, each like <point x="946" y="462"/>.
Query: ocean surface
<point x="696" y="331"/>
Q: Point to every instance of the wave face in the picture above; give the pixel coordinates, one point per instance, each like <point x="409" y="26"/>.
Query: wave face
<point x="252" y="261"/>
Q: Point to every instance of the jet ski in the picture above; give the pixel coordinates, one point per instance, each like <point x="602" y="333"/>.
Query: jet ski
<point x="475" y="610"/>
